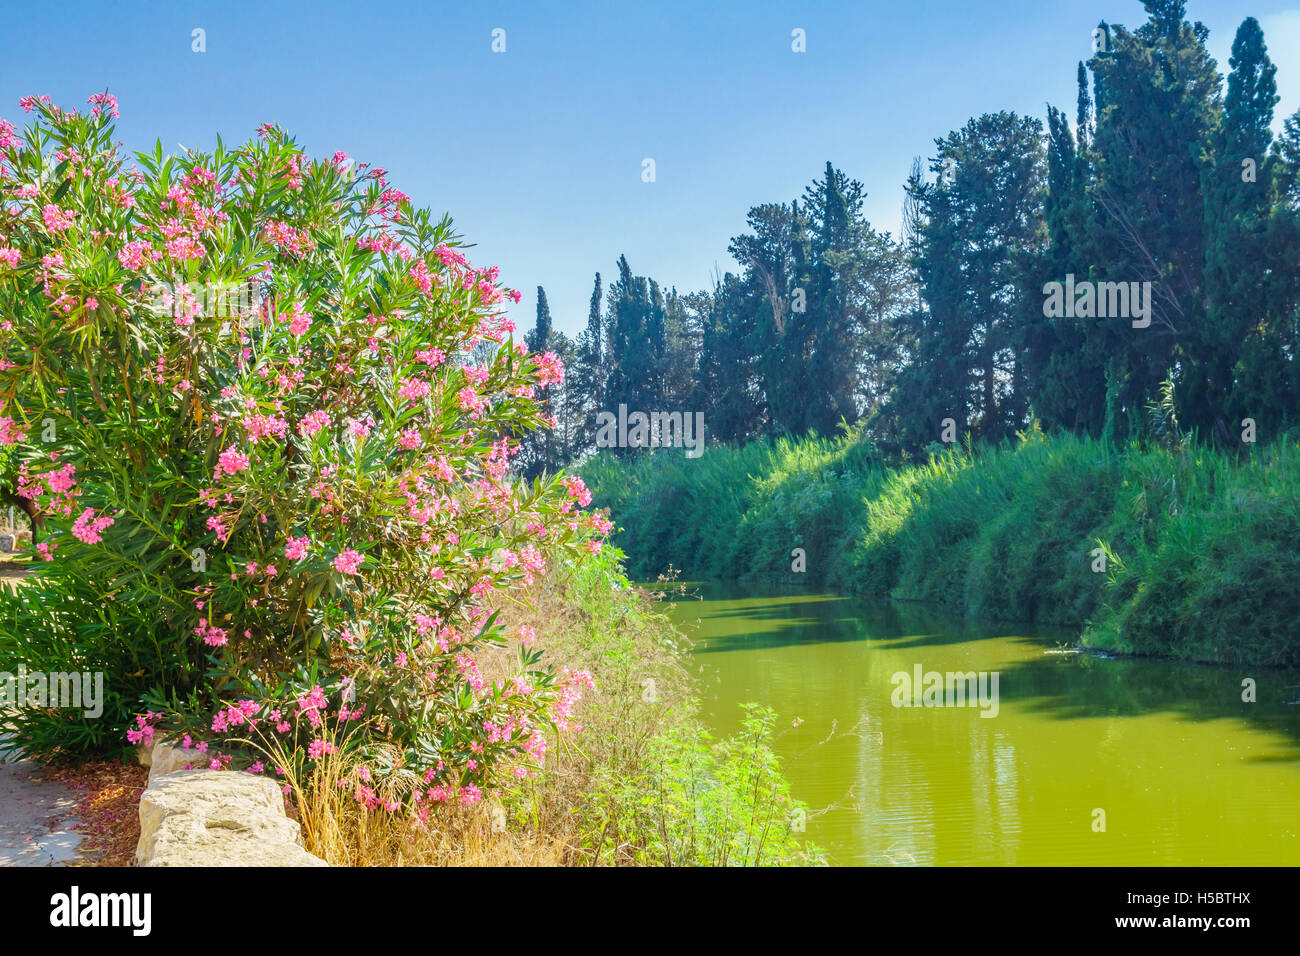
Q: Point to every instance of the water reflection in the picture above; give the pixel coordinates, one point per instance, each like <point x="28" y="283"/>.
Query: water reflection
<point x="1184" y="771"/>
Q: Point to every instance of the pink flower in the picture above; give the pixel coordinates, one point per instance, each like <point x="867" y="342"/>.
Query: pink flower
<point x="431" y="357"/>
<point x="231" y="461"/>
<point x="265" y="426"/>
<point x="213" y="636"/>
<point x="56" y="219"/>
<point x="299" y="320"/>
<point x="471" y="401"/>
<point x="216" y="525"/>
<point x="313" y="422"/>
<point x="101" y="101"/>
<point x="10" y="431"/>
<point x="413" y="389"/>
<point x="550" y="370"/>
<point x="319" y="748"/>
<point x="577" y="490"/>
<point x="9" y="255"/>
<point x="284" y="236"/>
<point x="87" y="530"/>
<point x="348" y="561"/>
<point x="134" y="254"/>
<point x="295" y="548"/>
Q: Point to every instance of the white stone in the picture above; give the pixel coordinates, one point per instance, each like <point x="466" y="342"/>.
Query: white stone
<point x="216" y="818"/>
<point x="167" y="758"/>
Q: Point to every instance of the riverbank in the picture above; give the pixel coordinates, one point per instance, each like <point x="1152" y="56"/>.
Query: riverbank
<point x="643" y="782"/>
<point x="1187" y="554"/>
<point x="636" y="780"/>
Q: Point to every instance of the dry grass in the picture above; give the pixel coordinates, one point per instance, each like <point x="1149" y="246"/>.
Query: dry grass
<point x="627" y="649"/>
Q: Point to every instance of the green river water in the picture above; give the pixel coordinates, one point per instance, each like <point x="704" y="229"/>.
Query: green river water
<point x="1184" y="770"/>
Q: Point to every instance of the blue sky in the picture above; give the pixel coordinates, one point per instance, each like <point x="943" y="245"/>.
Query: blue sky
<point x="537" y="152"/>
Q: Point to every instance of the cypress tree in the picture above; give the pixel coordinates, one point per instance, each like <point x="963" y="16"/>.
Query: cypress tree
<point x="1237" y="257"/>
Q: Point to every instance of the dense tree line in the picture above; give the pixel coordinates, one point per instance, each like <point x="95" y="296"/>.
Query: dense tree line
<point x="1168" y="175"/>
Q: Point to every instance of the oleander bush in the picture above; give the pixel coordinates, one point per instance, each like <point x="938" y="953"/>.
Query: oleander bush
<point x="266" y="410"/>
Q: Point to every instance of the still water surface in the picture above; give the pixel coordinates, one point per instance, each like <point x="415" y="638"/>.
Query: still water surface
<point x="1186" y="773"/>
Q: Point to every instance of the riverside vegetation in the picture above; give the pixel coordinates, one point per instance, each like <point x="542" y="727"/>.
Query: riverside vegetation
<point x="1109" y="479"/>
<point x="261" y="412"/>
<point x="1198" y="545"/>
<point x="641" y="783"/>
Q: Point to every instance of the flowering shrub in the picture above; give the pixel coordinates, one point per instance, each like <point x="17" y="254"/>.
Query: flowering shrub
<point x="266" y="408"/>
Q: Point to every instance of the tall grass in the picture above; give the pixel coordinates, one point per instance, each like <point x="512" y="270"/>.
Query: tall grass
<point x="643" y="783"/>
<point x="739" y="512"/>
<point x="1201" y="548"/>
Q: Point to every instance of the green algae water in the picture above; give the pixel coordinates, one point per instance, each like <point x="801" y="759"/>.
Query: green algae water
<point x="1185" y="772"/>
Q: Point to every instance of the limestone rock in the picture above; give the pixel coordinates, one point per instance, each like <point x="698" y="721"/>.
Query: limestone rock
<point x="169" y="757"/>
<point x="216" y="818"/>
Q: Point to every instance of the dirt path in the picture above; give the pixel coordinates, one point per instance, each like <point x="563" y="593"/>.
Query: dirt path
<point x="34" y="826"/>
<point x="12" y="572"/>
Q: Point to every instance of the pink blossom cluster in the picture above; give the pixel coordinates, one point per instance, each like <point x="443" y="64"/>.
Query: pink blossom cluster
<point x="348" y="562"/>
<point x="261" y="427"/>
<point x="88" y="528"/>
<point x="313" y="422"/>
<point x="230" y="462"/>
<point x="101" y="102"/>
<point x="145" y="726"/>
<point x="550" y="370"/>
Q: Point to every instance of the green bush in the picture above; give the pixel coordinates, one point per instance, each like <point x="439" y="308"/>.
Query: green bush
<point x="701" y="803"/>
<point x="1202" y="547"/>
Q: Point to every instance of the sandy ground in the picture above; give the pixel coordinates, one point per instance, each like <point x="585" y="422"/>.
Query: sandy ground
<point x="35" y="829"/>
<point x="11" y="572"/>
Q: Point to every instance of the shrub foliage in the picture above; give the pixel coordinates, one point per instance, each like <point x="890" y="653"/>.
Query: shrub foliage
<point x="266" y="410"/>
